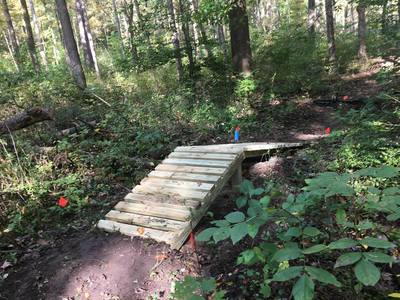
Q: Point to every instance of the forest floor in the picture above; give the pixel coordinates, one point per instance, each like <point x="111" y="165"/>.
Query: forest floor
<point x="81" y="262"/>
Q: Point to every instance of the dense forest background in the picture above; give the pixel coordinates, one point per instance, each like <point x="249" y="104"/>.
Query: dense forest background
<point x="94" y="93"/>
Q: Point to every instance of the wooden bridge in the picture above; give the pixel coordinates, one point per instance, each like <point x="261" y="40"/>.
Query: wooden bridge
<point x="173" y="198"/>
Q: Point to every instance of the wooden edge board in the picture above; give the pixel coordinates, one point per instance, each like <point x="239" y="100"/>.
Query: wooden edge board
<point x="190" y="194"/>
<point x="181" y="237"/>
<point x="196" y="162"/>
<point x="154" y="211"/>
<point x="133" y="230"/>
<point x="190" y="169"/>
<point x="162" y="201"/>
<point x="179" y="184"/>
<point x="145" y="221"/>
<point x="184" y="176"/>
<point x="203" y="155"/>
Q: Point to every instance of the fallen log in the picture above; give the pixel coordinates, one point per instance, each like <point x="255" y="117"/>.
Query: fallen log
<point x="25" y="119"/>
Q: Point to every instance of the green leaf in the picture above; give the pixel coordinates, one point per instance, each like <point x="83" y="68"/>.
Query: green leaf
<point x="220" y="234"/>
<point x="367" y="273"/>
<point x="252" y="230"/>
<point x="393" y="217"/>
<point x="376" y="243"/>
<point x="265" y="290"/>
<point x="235" y="217"/>
<point x="264" y="201"/>
<point x="293" y="232"/>
<point x="394" y="295"/>
<point x="303" y="289"/>
<point x="378" y="257"/>
<point x="287" y="274"/>
<point x="347" y="259"/>
<point x="256" y="192"/>
<point x="343" y="243"/>
<point x="341" y="216"/>
<point x="315" y="249"/>
<point x="322" y="276"/>
<point x="221" y="223"/>
<point x="241" y="202"/>
<point x="311" y="231"/>
<point x="365" y="225"/>
<point x="206" y="234"/>
<point x="207" y="285"/>
<point x="287" y="254"/>
<point x="238" y="232"/>
<point x="246" y="187"/>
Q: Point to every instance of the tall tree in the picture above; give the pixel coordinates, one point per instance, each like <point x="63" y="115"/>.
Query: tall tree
<point x="311" y="18"/>
<point x="200" y="27"/>
<point x="184" y="13"/>
<point x="384" y="16"/>
<point x="38" y="37"/>
<point x="128" y="11"/>
<point x="11" y="32"/>
<point x="362" y="28"/>
<point x="175" y="39"/>
<point x="29" y="37"/>
<point x="240" y="37"/>
<point x="73" y="59"/>
<point x="222" y="42"/>
<point x="86" y="39"/>
<point x="330" y="33"/>
<point x="118" y="26"/>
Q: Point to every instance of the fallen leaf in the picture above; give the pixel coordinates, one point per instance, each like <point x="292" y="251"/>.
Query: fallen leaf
<point x="140" y="230"/>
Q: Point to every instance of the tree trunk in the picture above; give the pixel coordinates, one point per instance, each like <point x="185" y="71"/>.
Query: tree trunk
<point x="175" y="39"/>
<point x="25" y="119"/>
<point x="186" y="33"/>
<point x="330" y="33"/>
<point x="142" y="26"/>
<point x="118" y="27"/>
<point x="86" y="41"/>
<point x="88" y="32"/>
<point x="38" y="38"/>
<point x="384" y="16"/>
<point x="128" y="10"/>
<point x="11" y="32"/>
<point x="72" y="56"/>
<point x="29" y="35"/>
<point x="9" y="47"/>
<point x="56" y="53"/>
<point x="362" y="28"/>
<point x="222" y="42"/>
<point x="240" y="37"/>
<point x="312" y="16"/>
<point x="203" y="35"/>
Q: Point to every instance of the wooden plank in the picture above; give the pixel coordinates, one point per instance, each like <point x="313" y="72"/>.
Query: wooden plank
<point x="155" y="211"/>
<point x="178" y="240"/>
<point x="209" y="149"/>
<point x="196" y="162"/>
<point x="202" y="155"/>
<point x="145" y="221"/>
<point x="162" y="201"/>
<point x="178" y="184"/>
<point x="190" y="169"/>
<point x="132" y="230"/>
<point x="184" y="176"/>
<point x="156" y="190"/>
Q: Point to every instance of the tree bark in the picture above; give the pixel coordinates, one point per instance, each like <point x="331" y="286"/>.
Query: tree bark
<point x="86" y="40"/>
<point x="311" y="18"/>
<point x="186" y="33"/>
<point x="11" y="32"/>
<point x="25" y="119"/>
<point x="73" y="59"/>
<point x="38" y="38"/>
<point x="222" y="42"/>
<point x="362" y="28"/>
<point x="240" y="37"/>
<point x="330" y="33"/>
<point x="10" y="51"/>
<point x="118" y="27"/>
<point x="175" y="39"/>
<point x="384" y="16"/>
<point x="128" y="10"/>
<point x="29" y="34"/>
<point x="203" y="35"/>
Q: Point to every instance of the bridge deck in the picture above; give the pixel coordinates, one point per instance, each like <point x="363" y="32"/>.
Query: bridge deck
<point x="173" y="198"/>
